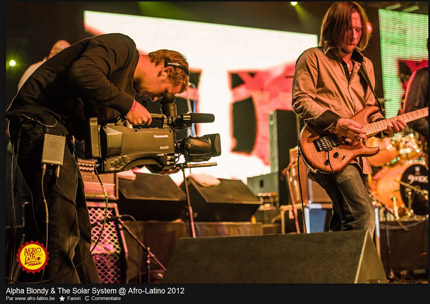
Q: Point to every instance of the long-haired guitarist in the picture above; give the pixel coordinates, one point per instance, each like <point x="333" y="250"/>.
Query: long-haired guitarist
<point x="332" y="83"/>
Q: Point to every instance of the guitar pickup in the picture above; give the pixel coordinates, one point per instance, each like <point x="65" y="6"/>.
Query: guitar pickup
<point x="326" y="143"/>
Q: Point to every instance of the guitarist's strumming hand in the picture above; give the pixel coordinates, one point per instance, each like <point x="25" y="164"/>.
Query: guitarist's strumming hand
<point x="395" y="125"/>
<point x="351" y="129"/>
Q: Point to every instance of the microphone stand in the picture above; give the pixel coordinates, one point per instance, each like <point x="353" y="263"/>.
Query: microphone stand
<point x="187" y="192"/>
<point x="149" y="254"/>
<point x="415" y="189"/>
<point x="190" y="209"/>
<point x="387" y="239"/>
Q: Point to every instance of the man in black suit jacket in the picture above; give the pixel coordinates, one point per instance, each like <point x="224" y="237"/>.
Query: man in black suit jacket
<point x="101" y="77"/>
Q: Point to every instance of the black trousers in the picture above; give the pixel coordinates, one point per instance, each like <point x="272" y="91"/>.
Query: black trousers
<point x="69" y="229"/>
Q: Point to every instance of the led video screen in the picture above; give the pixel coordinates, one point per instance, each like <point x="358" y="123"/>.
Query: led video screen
<point x="403" y="51"/>
<point x="239" y="74"/>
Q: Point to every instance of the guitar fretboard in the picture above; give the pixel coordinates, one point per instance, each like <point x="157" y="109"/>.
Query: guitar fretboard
<point x="381" y="125"/>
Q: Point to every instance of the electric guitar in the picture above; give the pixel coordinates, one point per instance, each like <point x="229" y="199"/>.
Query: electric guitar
<point x="329" y="152"/>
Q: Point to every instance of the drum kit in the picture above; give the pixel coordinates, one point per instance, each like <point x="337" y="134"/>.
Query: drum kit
<point x="400" y="179"/>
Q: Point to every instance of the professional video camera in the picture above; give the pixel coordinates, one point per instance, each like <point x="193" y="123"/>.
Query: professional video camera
<point x="119" y="146"/>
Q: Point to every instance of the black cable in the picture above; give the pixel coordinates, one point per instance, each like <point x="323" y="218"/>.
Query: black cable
<point x="387" y="240"/>
<point x="106" y="211"/>
<point x="290" y="182"/>
<point x="46" y="213"/>
<point x="14" y="165"/>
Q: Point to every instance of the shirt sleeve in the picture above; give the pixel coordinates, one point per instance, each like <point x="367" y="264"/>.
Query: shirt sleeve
<point x="304" y="90"/>
<point x="90" y="73"/>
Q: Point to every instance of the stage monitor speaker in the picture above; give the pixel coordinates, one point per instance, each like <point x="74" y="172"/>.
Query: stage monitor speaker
<point x="404" y="244"/>
<point x="282" y="137"/>
<point x="309" y="190"/>
<point x="316" y="218"/>
<point x="271" y="182"/>
<point x="231" y="200"/>
<point x="108" y="247"/>
<point x="151" y="197"/>
<point x="326" y="257"/>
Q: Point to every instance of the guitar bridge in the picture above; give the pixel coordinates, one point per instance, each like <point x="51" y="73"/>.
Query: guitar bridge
<point x="326" y="143"/>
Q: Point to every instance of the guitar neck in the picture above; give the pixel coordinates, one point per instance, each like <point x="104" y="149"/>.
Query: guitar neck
<point x="381" y="125"/>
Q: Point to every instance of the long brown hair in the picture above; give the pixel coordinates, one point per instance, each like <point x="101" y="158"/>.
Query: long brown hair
<point x="337" y="20"/>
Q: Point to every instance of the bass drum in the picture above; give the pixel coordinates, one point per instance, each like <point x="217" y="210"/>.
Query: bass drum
<point x="403" y="187"/>
<point x="387" y="151"/>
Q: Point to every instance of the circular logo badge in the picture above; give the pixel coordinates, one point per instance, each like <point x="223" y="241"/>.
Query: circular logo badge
<point x="32" y="257"/>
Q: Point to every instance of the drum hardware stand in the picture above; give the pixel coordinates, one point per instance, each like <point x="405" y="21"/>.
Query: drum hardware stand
<point x="411" y="188"/>
<point x="396" y="209"/>
<point x="409" y="195"/>
<point x="187" y="192"/>
<point x="149" y="254"/>
<point x="380" y="203"/>
<point x="415" y="188"/>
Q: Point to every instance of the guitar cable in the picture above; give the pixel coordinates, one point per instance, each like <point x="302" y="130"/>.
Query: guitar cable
<point x="328" y="161"/>
<point x="290" y="181"/>
<point x="299" y="153"/>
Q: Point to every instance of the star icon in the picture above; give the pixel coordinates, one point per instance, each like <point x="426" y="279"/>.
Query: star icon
<point x="61" y="299"/>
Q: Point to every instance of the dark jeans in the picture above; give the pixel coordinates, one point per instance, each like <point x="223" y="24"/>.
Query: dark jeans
<point x="69" y="229"/>
<point x="352" y="207"/>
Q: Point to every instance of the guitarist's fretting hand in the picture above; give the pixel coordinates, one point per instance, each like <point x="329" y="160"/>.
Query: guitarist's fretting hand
<point x="351" y="129"/>
<point x="355" y="131"/>
<point x="395" y="125"/>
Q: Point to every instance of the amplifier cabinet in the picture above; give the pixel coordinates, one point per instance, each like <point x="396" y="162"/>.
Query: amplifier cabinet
<point x="92" y="187"/>
<point x="300" y="185"/>
<point x="316" y="217"/>
<point x="108" y="246"/>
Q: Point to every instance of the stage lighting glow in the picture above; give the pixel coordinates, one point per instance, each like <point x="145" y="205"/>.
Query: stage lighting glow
<point x="293" y="3"/>
<point x="369" y="27"/>
<point x="12" y="63"/>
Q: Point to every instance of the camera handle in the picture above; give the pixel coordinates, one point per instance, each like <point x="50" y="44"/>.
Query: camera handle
<point x="190" y="208"/>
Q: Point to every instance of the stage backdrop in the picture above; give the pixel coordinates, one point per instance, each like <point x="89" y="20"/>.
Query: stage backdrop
<point x="238" y="74"/>
<point x="403" y="51"/>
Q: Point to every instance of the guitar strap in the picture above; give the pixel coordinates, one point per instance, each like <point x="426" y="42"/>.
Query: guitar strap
<point x="363" y="73"/>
